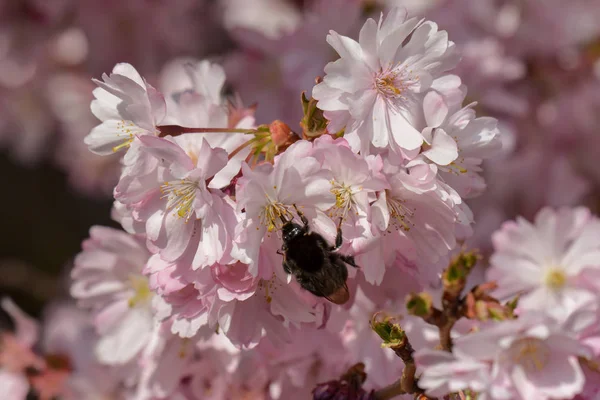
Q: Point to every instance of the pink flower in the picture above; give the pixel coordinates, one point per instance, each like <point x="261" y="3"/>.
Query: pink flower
<point x="184" y="296"/>
<point x="163" y="363"/>
<point x="375" y="90"/>
<point x="541" y="261"/>
<point x="415" y="213"/>
<point x="243" y="307"/>
<point x="355" y="180"/>
<point x="458" y="142"/>
<point x="164" y="185"/>
<point x="444" y="373"/>
<point x="531" y="357"/>
<point x="127" y="106"/>
<point x="268" y="194"/>
<point x="312" y="356"/>
<point x="107" y="279"/>
<point x="273" y="308"/>
<point x="194" y="98"/>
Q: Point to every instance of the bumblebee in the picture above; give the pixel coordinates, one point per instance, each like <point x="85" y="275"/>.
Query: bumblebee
<point x="316" y="265"/>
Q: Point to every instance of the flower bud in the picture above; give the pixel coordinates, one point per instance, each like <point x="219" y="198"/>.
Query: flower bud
<point x="455" y="276"/>
<point x="390" y="332"/>
<point x="281" y="134"/>
<point x="420" y="304"/>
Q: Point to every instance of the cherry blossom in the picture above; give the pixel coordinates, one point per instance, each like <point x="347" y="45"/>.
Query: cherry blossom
<point x="108" y="279"/>
<point x="541" y="261"/>
<point x="528" y="357"/>
<point x="375" y="89"/>
<point x="127" y="106"/>
<point x="164" y="186"/>
<point x="268" y="195"/>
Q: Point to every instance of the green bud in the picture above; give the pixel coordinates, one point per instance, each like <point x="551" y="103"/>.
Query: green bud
<point x="390" y="332"/>
<point x="419" y="304"/>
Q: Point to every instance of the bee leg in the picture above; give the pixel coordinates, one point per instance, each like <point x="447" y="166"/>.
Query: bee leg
<point x="302" y="217"/>
<point x="348" y="260"/>
<point x="279" y="252"/>
<point x="338" y="237"/>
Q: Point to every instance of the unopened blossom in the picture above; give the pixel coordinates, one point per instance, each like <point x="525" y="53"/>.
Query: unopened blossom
<point x="108" y="279"/>
<point x="268" y="194"/>
<point x="165" y="187"/>
<point x="375" y="90"/>
<point x="127" y="106"/>
<point x="541" y="261"/>
<point x="531" y="357"/>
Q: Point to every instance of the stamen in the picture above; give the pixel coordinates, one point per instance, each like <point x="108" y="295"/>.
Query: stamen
<point x="386" y="85"/>
<point x="400" y="213"/>
<point x="273" y="214"/>
<point x="393" y="85"/>
<point x="343" y="198"/>
<point x="531" y="353"/>
<point x="180" y="196"/>
<point x="125" y="144"/>
<point x="455" y="168"/>
<point x="127" y="129"/>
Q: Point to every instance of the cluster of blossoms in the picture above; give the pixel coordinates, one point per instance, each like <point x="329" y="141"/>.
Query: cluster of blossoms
<point x="547" y="347"/>
<point x="191" y="300"/>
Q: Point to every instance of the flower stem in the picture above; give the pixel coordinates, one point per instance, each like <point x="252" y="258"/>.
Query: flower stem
<point x="176" y="130"/>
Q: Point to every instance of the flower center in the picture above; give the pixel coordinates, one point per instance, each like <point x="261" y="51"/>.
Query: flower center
<point x="401" y="215"/>
<point x="141" y="291"/>
<point x="127" y="130"/>
<point x="556" y="278"/>
<point x="394" y="83"/>
<point x="386" y="85"/>
<point x="180" y="196"/>
<point x="272" y="214"/>
<point x="343" y="198"/>
<point x="530" y="353"/>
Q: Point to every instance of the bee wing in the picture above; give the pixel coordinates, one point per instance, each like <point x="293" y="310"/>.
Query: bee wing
<point x="340" y="296"/>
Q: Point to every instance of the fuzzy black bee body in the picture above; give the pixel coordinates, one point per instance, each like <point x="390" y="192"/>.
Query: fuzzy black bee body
<point x="314" y="262"/>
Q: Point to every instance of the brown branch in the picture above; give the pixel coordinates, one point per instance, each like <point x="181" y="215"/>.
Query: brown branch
<point x="395" y="338"/>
